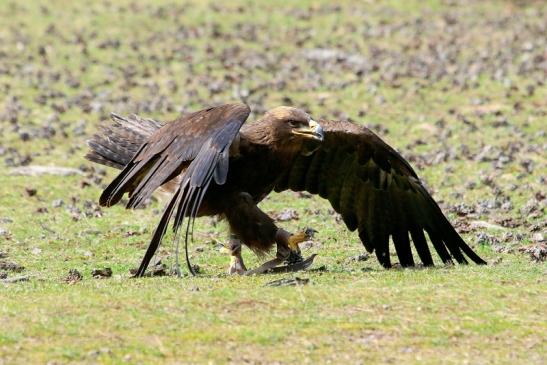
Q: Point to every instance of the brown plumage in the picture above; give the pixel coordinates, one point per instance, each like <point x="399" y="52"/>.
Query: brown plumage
<point x="216" y="165"/>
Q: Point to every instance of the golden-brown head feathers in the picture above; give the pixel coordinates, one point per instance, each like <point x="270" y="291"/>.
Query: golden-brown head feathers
<point x="286" y="113"/>
<point x="285" y="125"/>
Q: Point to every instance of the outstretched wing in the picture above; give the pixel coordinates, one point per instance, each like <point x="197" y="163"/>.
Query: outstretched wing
<point x="196" y="146"/>
<point x="377" y="193"/>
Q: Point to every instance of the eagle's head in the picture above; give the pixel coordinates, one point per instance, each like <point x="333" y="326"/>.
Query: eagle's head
<point x="292" y="125"/>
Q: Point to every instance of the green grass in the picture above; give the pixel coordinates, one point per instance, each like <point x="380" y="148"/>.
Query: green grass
<point x="350" y="312"/>
<point x="438" y="315"/>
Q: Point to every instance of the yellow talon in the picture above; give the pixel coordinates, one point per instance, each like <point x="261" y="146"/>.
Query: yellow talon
<point x="295" y="239"/>
<point x="300" y="237"/>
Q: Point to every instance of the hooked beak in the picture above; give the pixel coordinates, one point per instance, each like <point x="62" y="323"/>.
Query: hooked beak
<point x="313" y="131"/>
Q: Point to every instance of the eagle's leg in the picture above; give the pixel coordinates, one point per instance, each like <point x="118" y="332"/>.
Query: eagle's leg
<point x="287" y="244"/>
<point x="259" y="232"/>
<point x="237" y="266"/>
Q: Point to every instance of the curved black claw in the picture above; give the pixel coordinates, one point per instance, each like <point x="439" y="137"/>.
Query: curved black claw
<point x="294" y="258"/>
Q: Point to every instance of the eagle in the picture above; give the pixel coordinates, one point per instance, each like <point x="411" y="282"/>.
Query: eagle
<point x="212" y="163"/>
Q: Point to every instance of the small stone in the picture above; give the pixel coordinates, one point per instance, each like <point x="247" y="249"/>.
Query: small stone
<point x="496" y="261"/>
<point x="102" y="273"/>
<point x="536" y="251"/>
<point x="287" y="215"/>
<point x="57" y="203"/>
<point x="4" y="232"/>
<point x="11" y="266"/>
<point x="361" y="257"/>
<point x="73" y="277"/>
<point x="306" y="245"/>
<point x="486" y="239"/>
<point x="30" y="191"/>
<point x="538" y="237"/>
<point x="17" y="279"/>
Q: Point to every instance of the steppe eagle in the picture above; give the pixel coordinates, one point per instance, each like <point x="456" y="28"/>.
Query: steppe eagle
<point x="215" y="164"/>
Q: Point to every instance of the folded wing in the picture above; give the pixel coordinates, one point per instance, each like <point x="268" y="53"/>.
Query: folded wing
<point x="196" y="146"/>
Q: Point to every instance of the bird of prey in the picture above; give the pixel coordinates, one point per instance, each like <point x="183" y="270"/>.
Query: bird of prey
<point x="215" y="164"/>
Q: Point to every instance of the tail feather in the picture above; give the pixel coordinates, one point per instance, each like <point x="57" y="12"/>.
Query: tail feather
<point x="118" y="142"/>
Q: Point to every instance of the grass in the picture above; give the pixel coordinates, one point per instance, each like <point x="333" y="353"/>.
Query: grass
<point x="157" y="58"/>
<point x="439" y="315"/>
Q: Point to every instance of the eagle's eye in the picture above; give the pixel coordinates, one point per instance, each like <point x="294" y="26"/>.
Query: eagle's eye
<point x="295" y="124"/>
